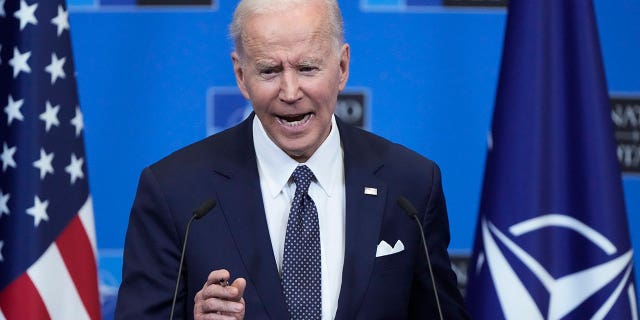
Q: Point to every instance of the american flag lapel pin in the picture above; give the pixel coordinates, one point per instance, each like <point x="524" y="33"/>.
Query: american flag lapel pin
<point x="370" y="191"/>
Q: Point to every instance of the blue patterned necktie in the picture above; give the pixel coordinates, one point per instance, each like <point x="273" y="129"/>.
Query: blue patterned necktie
<point x="301" y="274"/>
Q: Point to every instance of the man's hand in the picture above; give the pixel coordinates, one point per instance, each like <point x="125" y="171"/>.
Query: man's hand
<point x="217" y="300"/>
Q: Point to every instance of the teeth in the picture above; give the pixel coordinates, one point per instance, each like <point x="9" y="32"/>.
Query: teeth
<point x="295" y="123"/>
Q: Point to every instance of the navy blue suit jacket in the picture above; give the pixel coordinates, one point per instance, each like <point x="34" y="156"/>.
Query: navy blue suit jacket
<point x="235" y="236"/>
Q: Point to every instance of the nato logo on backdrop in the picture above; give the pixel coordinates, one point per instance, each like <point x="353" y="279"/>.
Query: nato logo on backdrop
<point x="227" y="107"/>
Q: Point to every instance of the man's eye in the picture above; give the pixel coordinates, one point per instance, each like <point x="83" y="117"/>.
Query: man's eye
<point x="268" y="71"/>
<point x="307" y="69"/>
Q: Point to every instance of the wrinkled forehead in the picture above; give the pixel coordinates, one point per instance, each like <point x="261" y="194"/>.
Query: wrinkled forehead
<point x="289" y="41"/>
<point x="289" y="26"/>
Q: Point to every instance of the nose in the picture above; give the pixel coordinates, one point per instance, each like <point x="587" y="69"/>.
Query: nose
<point x="290" y="87"/>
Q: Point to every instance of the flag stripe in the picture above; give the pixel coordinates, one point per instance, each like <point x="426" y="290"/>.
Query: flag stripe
<point x="86" y="216"/>
<point x="21" y="300"/>
<point x="52" y="280"/>
<point x="78" y="255"/>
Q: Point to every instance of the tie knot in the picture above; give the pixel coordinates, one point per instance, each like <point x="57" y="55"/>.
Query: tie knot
<point x="302" y="177"/>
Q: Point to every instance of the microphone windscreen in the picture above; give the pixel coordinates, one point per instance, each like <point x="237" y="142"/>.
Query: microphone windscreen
<point x="204" y="208"/>
<point x="406" y="205"/>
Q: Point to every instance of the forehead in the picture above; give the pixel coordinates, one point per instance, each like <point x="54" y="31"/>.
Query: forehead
<point x="297" y="28"/>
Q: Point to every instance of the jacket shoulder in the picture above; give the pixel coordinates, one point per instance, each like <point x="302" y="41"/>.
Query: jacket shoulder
<point x="211" y="152"/>
<point x="391" y="153"/>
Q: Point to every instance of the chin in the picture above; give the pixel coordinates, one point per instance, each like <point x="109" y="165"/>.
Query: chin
<point x="297" y="154"/>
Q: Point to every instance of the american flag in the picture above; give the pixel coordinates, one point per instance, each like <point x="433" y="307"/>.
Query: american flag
<point x="47" y="237"/>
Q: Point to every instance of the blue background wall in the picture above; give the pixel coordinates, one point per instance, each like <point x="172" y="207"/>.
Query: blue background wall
<point x="431" y="72"/>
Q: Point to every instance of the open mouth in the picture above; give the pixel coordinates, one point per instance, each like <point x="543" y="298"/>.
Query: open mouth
<point x="294" y="120"/>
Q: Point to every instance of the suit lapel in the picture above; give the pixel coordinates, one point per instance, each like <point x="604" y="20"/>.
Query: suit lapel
<point x="240" y="199"/>
<point x="363" y="221"/>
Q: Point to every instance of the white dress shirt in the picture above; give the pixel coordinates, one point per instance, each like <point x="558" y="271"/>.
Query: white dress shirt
<point x="327" y="191"/>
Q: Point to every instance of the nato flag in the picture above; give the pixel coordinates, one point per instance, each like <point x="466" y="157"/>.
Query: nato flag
<point x="552" y="237"/>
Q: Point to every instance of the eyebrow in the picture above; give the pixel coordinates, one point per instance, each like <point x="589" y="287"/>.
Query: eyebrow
<point x="261" y="65"/>
<point x="311" y="61"/>
<point x="264" y="65"/>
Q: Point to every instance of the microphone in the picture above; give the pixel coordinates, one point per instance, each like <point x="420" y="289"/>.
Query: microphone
<point x="411" y="211"/>
<point x="200" y="212"/>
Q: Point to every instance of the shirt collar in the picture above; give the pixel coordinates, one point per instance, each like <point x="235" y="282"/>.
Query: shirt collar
<point x="277" y="166"/>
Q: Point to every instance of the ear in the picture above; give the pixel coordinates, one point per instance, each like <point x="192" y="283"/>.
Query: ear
<point x="345" y="57"/>
<point x="239" y="72"/>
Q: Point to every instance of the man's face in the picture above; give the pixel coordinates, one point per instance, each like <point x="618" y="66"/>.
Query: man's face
<point x="292" y="72"/>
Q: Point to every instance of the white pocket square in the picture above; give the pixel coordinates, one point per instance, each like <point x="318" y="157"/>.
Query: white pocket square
<point x="384" y="249"/>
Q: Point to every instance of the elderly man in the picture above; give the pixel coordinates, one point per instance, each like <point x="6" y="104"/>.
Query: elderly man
<point x="306" y="224"/>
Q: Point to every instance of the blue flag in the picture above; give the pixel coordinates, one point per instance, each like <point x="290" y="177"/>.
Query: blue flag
<point x="552" y="238"/>
<point x="48" y="266"/>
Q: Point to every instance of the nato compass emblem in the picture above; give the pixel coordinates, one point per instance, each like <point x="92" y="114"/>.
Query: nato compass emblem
<point x="226" y="107"/>
<point x="565" y="293"/>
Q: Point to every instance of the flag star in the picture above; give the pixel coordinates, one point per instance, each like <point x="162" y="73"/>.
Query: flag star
<point x="55" y="68"/>
<point x="74" y="169"/>
<point x="7" y="157"/>
<point x="44" y="163"/>
<point x="61" y="20"/>
<point x="78" y="121"/>
<point x="1" y="245"/>
<point x="12" y="109"/>
<point x="2" y="14"/>
<point x="26" y="14"/>
<point x="4" y="200"/>
<point x="19" y="62"/>
<point x="50" y="116"/>
<point x="38" y="211"/>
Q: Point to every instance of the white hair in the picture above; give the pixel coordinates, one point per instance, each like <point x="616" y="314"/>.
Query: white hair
<point x="247" y="8"/>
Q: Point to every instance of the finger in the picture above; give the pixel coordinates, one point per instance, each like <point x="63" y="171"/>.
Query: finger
<point x="240" y="315"/>
<point x="216" y="276"/>
<point x="214" y="305"/>
<point x="240" y="284"/>
<point x="220" y="292"/>
<point x="215" y="316"/>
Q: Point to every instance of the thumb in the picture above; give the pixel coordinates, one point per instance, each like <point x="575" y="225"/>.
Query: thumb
<point x="240" y="284"/>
